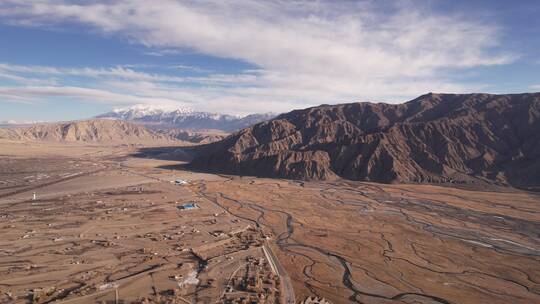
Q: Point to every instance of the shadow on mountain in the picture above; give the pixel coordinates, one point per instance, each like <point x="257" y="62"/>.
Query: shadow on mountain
<point x="174" y="153"/>
<point x="183" y="155"/>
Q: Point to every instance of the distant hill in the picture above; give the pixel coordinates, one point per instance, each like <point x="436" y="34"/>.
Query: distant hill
<point x="97" y="130"/>
<point x="186" y="119"/>
<point x="10" y="134"/>
<point x="198" y="137"/>
<point x="456" y="138"/>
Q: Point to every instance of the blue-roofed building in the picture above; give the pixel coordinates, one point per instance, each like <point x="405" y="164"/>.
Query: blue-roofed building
<point x="188" y="206"/>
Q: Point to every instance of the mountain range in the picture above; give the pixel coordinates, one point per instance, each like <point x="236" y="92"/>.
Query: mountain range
<point x="94" y="131"/>
<point x="435" y="138"/>
<point x="454" y="138"/>
<point x="184" y="118"/>
<point x="137" y="123"/>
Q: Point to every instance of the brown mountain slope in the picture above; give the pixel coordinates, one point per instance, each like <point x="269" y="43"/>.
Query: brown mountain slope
<point x="433" y="138"/>
<point x="98" y="130"/>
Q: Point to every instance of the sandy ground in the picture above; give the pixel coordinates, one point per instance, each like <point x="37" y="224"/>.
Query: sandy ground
<point x="105" y="221"/>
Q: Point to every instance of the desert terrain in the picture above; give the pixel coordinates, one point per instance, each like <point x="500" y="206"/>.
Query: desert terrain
<point x="269" y="152"/>
<point x="106" y="226"/>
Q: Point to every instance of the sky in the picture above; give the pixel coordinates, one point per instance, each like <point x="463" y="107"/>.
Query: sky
<point x="64" y="60"/>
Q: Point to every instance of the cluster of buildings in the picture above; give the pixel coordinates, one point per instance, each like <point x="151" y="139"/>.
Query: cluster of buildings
<point x="254" y="283"/>
<point x="315" y="300"/>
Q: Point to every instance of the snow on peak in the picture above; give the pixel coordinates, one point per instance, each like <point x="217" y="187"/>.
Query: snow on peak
<point x="186" y="118"/>
<point x="145" y="109"/>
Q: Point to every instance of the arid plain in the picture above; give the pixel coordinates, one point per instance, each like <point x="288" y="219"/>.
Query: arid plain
<point x="106" y="226"/>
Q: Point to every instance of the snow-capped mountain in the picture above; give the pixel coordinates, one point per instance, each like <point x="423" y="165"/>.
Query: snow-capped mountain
<point x="185" y="118"/>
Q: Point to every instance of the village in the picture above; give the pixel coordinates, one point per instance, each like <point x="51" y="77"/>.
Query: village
<point x="128" y="237"/>
<point x="151" y="240"/>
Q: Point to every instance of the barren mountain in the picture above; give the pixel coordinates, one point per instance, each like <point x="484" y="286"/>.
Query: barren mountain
<point x="98" y="130"/>
<point x="9" y="134"/>
<point x="456" y="138"/>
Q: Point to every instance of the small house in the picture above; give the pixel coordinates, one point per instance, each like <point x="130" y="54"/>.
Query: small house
<point x="180" y="182"/>
<point x="188" y="206"/>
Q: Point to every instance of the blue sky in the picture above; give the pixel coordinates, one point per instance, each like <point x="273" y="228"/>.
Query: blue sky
<point x="63" y="60"/>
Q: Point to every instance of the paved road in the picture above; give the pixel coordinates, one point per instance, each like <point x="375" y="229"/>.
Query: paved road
<point x="288" y="291"/>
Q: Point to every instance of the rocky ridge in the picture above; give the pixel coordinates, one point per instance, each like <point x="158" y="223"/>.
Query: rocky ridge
<point x="456" y="138"/>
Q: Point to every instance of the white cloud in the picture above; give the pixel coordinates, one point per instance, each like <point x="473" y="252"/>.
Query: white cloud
<point x="122" y="72"/>
<point x="307" y="52"/>
<point x="535" y="87"/>
<point x="30" y="93"/>
<point x="249" y="92"/>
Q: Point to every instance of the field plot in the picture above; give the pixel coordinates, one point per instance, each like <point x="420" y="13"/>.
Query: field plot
<point x="372" y="243"/>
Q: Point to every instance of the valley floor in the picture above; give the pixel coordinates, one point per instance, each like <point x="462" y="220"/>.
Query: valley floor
<point x="372" y="243"/>
<point x="105" y="222"/>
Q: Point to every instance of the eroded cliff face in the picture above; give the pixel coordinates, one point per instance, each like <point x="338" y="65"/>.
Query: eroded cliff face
<point x="433" y="138"/>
